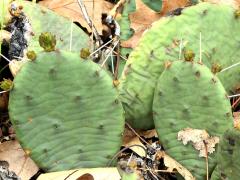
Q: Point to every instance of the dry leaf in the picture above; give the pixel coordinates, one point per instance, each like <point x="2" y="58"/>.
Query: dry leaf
<point x="236" y="116"/>
<point x="143" y="18"/>
<point x="19" y="163"/>
<point x="172" y="164"/>
<point x="86" y="176"/>
<point x="135" y="141"/>
<point x="234" y="3"/>
<point x="95" y="173"/>
<point x="200" y="139"/>
<point x="149" y="133"/>
<point x="71" y="10"/>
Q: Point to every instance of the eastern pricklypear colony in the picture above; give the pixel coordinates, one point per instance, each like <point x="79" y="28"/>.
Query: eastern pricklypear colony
<point x="66" y="112"/>
<point x="178" y="37"/>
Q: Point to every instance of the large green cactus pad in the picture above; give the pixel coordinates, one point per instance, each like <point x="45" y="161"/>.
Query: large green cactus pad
<point x="188" y="95"/>
<point x="228" y="156"/>
<point x="220" y="43"/>
<point x="45" y="20"/>
<point x="66" y="112"/>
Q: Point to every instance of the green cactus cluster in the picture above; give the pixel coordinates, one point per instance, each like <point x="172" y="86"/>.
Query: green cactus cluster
<point x="189" y="95"/>
<point x="66" y="112"/>
<point x="215" y="26"/>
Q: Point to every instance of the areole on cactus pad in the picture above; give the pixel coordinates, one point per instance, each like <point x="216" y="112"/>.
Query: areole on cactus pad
<point x="66" y="112"/>
<point x="189" y="98"/>
<point x="218" y="28"/>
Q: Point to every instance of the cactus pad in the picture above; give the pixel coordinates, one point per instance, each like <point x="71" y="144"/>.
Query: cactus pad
<point x="66" y="112"/>
<point x="44" y="20"/>
<point x="219" y="30"/>
<point x="228" y="156"/>
<point x="188" y="95"/>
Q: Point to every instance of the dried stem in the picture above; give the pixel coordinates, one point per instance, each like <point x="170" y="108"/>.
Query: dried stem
<point x="232" y="66"/>
<point x="137" y="134"/>
<point x="236" y="95"/>
<point x="118" y="62"/>
<point x="236" y="102"/>
<point x="89" y="21"/>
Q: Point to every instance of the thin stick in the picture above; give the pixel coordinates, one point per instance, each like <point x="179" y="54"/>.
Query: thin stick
<point x="88" y="20"/>
<point x="71" y="174"/>
<point x="232" y="66"/>
<point x="236" y="95"/>
<point x="180" y="50"/>
<point x="4" y="91"/>
<point x="112" y="62"/>
<point x="109" y="54"/>
<point x="200" y="45"/>
<point x="118" y="54"/>
<point x="136" y="133"/>
<point x="236" y="102"/>
<point x="124" y="149"/>
<point x="118" y="62"/>
<point x="130" y="159"/>
<point x="101" y="47"/>
<point x="71" y="36"/>
<point x="4" y="57"/>
<point x="206" y="151"/>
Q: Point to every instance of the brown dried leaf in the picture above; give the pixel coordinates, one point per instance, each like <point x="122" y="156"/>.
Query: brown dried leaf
<point x="136" y="149"/>
<point x="71" y="10"/>
<point x="200" y="139"/>
<point x="173" y="164"/>
<point x="236" y="116"/>
<point x="22" y="165"/>
<point x="143" y="18"/>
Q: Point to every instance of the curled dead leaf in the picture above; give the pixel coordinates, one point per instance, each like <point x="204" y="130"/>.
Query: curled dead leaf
<point x="200" y="139"/>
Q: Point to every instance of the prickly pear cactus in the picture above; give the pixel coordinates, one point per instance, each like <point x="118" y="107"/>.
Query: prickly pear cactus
<point x="188" y="95"/>
<point x="66" y="112"/>
<point x="43" y="20"/>
<point x="155" y="5"/>
<point x="228" y="157"/>
<point x="218" y="27"/>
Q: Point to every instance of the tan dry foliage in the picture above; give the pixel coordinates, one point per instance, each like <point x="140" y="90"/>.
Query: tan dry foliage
<point x="173" y="164"/>
<point x="143" y="18"/>
<point x="236" y="116"/>
<point x="71" y="10"/>
<point x="19" y="163"/>
<point x="234" y="3"/>
<point x="200" y="139"/>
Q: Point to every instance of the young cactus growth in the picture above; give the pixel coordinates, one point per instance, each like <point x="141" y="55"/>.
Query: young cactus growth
<point x="190" y="103"/>
<point x="66" y="112"/>
<point x="47" y="41"/>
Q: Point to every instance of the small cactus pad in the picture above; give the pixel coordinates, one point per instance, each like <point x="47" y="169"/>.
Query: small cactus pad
<point x="188" y="95"/>
<point x="228" y="156"/>
<point x="44" y="20"/>
<point x="219" y="31"/>
<point x="66" y="112"/>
